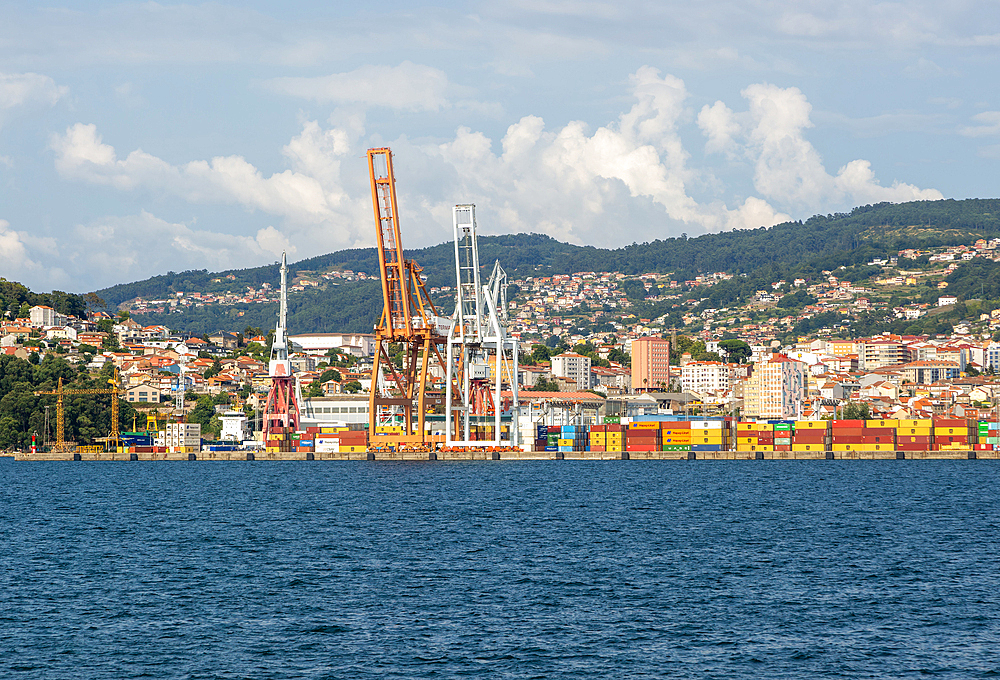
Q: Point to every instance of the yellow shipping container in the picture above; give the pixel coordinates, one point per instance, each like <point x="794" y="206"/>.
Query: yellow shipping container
<point x="271" y="449"/>
<point x="809" y="447"/>
<point x="565" y="442"/>
<point x="953" y="431"/>
<point x="706" y="440"/>
<point x="914" y="431"/>
<point x="812" y="424"/>
<point x="863" y="447"/>
<point x="914" y="423"/>
<point x="754" y="427"/>
<point x="654" y="425"/>
<point x="882" y="423"/>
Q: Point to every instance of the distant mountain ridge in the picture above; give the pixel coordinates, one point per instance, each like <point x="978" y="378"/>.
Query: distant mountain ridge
<point x="819" y="243"/>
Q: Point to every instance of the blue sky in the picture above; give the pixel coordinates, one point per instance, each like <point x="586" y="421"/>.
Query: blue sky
<point x="139" y="138"/>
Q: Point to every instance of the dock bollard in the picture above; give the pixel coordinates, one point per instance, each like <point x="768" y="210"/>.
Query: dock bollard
<point x="625" y="455"/>
<point x="370" y="456"/>
<point x="560" y="455"/>
<point x="496" y="455"/>
<point x="432" y="455"/>
<point x="192" y="456"/>
<point x="77" y="456"/>
<point x="759" y="455"/>
<point x="691" y="455"/>
<point x="310" y="455"/>
<point x="133" y="456"/>
<point x="250" y="456"/>
<point x="900" y="455"/>
<point x="829" y="455"/>
<point x="972" y="455"/>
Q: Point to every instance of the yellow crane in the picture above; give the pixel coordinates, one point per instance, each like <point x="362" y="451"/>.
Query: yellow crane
<point x="60" y="391"/>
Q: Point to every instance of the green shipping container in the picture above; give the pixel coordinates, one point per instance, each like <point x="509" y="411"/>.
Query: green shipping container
<point x="782" y="426"/>
<point x="612" y="420"/>
<point x="677" y="447"/>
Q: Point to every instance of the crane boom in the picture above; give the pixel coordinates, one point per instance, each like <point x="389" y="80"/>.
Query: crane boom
<point x="60" y="391"/>
<point x="409" y="318"/>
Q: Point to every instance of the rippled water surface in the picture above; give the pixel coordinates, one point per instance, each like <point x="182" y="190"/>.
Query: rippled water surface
<point x="558" y="569"/>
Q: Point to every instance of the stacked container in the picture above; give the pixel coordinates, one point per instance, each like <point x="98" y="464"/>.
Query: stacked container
<point x="811" y="435"/>
<point x="552" y="437"/>
<point x="541" y="437"/>
<point x="754" y="437"/>
<point x="598" y="437"/>
<point x="988" y="436"/>
<point x="675" y="435"/>
<point x="615" y="437"/>
<point x="914" y="435"/>
<point x="782" y="434"/>
<point x="281" y="440"/>
<point x="573" y="438"/>
<point x="955" y="434"/>
<point x="643" y="436"/>
<point x="709" y="435"/>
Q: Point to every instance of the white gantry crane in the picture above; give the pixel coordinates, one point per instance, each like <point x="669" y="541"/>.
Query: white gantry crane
<point x="481" y="357"/>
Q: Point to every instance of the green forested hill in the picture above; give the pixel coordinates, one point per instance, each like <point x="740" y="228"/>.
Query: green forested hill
<point x="801" y="248"/>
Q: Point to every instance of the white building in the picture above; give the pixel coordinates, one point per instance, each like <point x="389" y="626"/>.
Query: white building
<point x="572" y="366"/>
<point x="704" y="376"/>
<point x="358" y="344"/>
<point x="41" y="315"/>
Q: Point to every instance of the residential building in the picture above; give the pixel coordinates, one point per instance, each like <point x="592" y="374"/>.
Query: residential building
<point x="574" y="367"/>
<point x="42" y="315"/>
<point x="705" y="376"/>
<point x="776" y="389"/>
<point x="143" y="392"/>
<point x="927" y="372"/>
<point x="650" y="364"/>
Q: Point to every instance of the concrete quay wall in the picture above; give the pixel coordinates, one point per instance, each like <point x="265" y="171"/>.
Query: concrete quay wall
<point x="522" y="455"/>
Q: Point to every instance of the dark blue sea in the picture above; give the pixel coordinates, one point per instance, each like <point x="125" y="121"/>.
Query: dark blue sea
<point x="561" y="569"/>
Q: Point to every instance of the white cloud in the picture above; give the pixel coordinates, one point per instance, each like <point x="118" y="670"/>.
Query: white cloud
<point x="21" y="89"/>
<point x="789" y="170"/>
<point x="629" y="180"/>
<point x="989" y="125"/>
<point x="407" y="86"/>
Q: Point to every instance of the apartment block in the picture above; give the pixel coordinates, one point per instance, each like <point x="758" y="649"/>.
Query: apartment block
<point x="572" y="366"/>
<point x="650" y="364"/>
<point x="776" y="389"/>
<point x="705" y="376"/>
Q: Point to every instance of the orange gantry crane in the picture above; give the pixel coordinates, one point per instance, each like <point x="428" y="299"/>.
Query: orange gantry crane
<point x="409" y="318"/>
<point x="114" y="438"/>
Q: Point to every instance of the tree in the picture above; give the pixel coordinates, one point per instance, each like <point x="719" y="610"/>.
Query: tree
<point x="315" y="389"/>
<point x="541" y="352"/>
<point x="737" y="351"/>
<point x="543" y="385"/>
<point x="352" y="387"/>
<point x="330" y="374"/>
<point x="203" y="412"/>
<point x="214" y="370"/>
<point x="856" y="411"/>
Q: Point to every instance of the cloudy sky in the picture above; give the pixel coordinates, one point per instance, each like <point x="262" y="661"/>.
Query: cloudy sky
<point x="138" y="138"/>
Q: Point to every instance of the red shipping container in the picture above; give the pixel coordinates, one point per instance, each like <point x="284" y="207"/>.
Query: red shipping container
<point x="596" y="448"/>
<point x="951" y="439"/>
<point x="848" y="423"/>
<point x="913" y="447"/>
<point x="646" y="434"/>
<point x="639" y="447"/>
<point x="809" y="438"/>
<point x="950" y="422"/>
<point x="598" y="428"/>
<point x="847" y="439"/>
<point x="879" y="431"/>
<point x="765" y="436"/>
<point x="783" y="447"/>
<point x="922" y="440"/>
<point x="849" y="431"/>
<point x="869" y="439"/>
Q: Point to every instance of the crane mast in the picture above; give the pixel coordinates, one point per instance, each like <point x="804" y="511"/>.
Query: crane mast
<point x="409" y="320"/>
<point x="481" y="357"/>
<point x="281" y="410"/>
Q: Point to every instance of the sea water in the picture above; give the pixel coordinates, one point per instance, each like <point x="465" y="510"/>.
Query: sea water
<point x="556" y="569"/>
